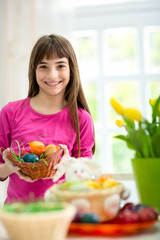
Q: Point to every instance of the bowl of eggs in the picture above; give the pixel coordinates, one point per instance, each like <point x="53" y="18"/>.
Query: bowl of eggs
<point x="99" y="197"/>
<point x="95" y="195"/>
<point x="37" y="162"/>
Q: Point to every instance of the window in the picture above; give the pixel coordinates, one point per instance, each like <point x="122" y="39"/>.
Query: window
<point x="118" y="49"/>
<point x="152" y="49"/>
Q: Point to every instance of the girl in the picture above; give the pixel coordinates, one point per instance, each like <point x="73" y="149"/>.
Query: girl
<point x="55" y="112"/>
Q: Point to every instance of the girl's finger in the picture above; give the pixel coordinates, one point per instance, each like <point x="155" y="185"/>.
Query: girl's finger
<point x="4" y="155"/>
<point x="18" y="168"/>
<point x="27" y="179"/>
<point x="57" y="176"/>
<point x="63" y="163"/>
<point x="56" y="166"/>
<point x="65" y="148"/>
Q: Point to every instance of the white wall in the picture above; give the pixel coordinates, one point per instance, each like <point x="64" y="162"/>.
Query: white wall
<point x="3" y="191"/>
<point x="22" y="23"/>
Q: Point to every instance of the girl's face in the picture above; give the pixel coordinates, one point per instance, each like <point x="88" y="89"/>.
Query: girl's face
<point x="53" y="76"/>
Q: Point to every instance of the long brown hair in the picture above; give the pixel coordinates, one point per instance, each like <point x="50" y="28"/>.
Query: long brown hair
<point x="56" y="45"/>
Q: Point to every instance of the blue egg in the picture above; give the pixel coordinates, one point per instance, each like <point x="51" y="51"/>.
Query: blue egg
<point x="30" y="157"/>
<point x="90" y="218"/>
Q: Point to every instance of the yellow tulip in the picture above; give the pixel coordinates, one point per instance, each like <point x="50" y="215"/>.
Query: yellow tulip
<point x="133" y="114"/>
<point x="117" y="106"/>
<point x="153" y="101"/>
<point x="120" y="123"/>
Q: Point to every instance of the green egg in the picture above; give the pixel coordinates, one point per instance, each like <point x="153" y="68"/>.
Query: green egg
<point x="90" y="218"/>
<point x="30" y="157"/>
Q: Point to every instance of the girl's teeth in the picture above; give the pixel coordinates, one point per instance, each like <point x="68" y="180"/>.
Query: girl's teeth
<point x="52" y="83"/>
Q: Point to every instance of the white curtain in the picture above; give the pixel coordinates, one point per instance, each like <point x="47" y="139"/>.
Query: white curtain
<point x="22" y="23"/>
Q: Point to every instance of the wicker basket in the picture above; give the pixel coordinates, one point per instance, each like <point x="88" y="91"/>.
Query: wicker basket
<point x="52" y="225"/>
<point x="40" y="169"/>
<point x="95" y="197"/>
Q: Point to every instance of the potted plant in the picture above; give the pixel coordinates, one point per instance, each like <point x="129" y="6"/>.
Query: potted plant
<point x="143" y="137"/>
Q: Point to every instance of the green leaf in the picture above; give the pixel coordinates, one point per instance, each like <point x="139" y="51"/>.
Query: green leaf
<point x="122" y="137"/>
<point x="156" y="144"/>
<point x="149" y="127"/>
<point x="144" y="142"/>
<point x="129" y="123"/>
<point x="130" y="143"/>
<point x="155" y="112"/>
<point x="138" y="154"/>
<point x="135" y="141"/>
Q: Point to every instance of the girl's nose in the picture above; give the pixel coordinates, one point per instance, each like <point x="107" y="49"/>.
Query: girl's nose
<point x="53" y="73"/>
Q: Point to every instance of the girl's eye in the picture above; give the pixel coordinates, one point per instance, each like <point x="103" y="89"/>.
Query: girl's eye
<point x="61" y="66"/>
<point x="43" y="66"/>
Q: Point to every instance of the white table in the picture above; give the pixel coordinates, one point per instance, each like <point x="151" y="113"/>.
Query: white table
<point x="152" y="233"/>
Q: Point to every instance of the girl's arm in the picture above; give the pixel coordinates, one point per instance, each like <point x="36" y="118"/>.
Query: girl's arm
<point x="6" y="166"/>
<point x="5" y="171"/>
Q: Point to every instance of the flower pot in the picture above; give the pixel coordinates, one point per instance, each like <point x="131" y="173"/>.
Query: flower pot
<point x="147" y="177"/>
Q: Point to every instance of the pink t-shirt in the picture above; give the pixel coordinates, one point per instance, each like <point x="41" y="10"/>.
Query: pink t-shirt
<point x="18" y="121"/>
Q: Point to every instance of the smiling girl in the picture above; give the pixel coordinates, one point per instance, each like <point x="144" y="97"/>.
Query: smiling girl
<point x="55" y="112"/>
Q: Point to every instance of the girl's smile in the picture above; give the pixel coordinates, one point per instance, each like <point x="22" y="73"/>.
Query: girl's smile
<point x="53" y="83"/>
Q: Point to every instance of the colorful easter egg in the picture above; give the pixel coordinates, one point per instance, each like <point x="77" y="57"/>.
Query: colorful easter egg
<point x="90" y="218"/>
<point x="30" y="157"/>
<point x="50" y="149"/>
<point x="37" y="147"/>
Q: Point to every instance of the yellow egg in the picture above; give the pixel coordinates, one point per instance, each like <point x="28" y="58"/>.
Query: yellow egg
<point x="50" y="149"/>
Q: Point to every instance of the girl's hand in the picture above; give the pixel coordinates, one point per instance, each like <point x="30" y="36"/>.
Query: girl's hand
<point x="62" y="166"/>
<point x="65" y="153"/>
<point x="8" y="165"/>
<point x="25" y="178"/>
<point x="10" y="168"/>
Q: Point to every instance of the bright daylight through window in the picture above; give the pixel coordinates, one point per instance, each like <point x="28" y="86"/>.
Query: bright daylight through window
<point x="118" y="49"/>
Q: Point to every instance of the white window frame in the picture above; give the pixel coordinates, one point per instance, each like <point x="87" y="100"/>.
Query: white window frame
<point x="99" y="18"/>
